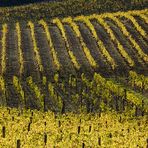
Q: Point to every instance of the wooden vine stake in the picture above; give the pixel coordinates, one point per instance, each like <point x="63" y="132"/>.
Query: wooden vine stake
<point x="142" y="113"/>
<point x="83" y="145"/>
<point x="12" y="118"/>
<point x="99" y="141"/>
<point x="44" y="104"/>
<point x="18" y="143"/>
<point x="89" y="128"/>
<point x="59" y="123"/>
<point x="136" y="111"/>
<point x="29" y="127"/>
<point x="63" y="107"/>
<point x="45" y="138"/>
<point x="79" y="129"/>
<point x="3" y="131"/>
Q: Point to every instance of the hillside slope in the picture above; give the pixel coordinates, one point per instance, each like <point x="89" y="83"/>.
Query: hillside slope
<point x="53" y="64"/>
<point x="108" y="43"/>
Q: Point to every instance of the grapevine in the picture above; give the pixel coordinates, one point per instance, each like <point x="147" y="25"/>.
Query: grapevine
<point x="71" y="54"/>
<point x="78" y="34"/>
<point x="4" y="36"/>
<point x="99" y="42"/>
<point x="35" y="47"/>
<point x="54" y="53"/>
<point x="18" y="29"/>
<point x="127" y="34"/>
<point x="113" y="38"/>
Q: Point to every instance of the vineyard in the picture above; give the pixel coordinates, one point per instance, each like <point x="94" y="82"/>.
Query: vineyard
<point x="35" y="129"/>
<point x="69" y="79"/>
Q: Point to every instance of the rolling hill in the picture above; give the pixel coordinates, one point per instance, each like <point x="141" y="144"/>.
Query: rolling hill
<point x="74" y="81"/>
